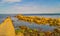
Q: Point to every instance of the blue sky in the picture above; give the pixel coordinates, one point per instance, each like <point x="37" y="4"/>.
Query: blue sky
<point x="29" y="6"/>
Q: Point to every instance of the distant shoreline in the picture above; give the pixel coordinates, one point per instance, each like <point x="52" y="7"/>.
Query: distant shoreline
<point x="36" y="14"/>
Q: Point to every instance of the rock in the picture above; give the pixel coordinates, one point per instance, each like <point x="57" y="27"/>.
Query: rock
<point x="7" y="28"/>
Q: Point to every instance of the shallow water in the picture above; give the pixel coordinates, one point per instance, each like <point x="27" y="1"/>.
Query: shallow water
<point x="33" y="25"/>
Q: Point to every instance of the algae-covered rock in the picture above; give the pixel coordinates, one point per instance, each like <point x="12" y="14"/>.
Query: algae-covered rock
<point x="7" y="28"/>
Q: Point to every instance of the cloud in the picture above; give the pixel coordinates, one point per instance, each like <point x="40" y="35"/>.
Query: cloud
<point x="36" y="9"/>
<point x="10" y="1"/>
<point x="30" y="9"/>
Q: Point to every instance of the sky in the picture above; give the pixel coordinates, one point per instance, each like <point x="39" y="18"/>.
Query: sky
<point x="29" y="6"/>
